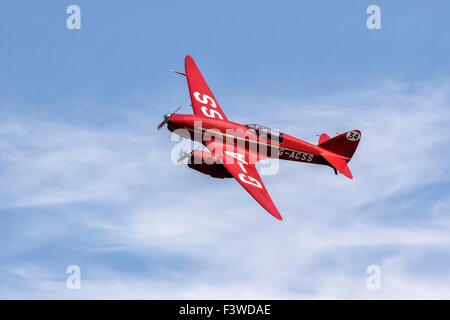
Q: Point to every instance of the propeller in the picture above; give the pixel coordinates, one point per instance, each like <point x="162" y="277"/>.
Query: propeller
<point x="186" y="154"/>
<point x="166" y="118"/>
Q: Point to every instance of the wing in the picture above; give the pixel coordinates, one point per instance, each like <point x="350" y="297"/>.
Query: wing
<point x="237" y="164"/>
<point x="203" y="101"/>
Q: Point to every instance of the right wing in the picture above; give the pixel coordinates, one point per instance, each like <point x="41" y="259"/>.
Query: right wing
<point x="203" y="101"/>
<point x="238" y="165"/>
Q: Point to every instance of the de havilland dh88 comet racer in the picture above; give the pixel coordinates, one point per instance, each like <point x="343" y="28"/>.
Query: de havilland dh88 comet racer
<point x="235" y="148"/>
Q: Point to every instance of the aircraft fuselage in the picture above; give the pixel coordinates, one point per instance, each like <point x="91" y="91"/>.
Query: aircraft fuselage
<point x="266" y="145"/>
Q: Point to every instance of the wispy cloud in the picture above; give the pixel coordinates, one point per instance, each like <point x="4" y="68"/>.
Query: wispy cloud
<point x="148" y="229"/>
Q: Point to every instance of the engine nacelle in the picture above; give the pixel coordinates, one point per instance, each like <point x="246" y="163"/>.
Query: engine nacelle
<point x="204" y="163"/>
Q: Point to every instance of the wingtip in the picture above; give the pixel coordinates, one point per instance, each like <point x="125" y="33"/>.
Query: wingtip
<point x="276" y="215"/>
<point x="189" y="63"/>
<point x="348" y="173"/>
<point x="188" y="58"/>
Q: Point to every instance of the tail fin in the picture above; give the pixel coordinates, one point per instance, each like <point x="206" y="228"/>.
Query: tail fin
<point x="344" y="144"/>
<point x="340" y="149"/>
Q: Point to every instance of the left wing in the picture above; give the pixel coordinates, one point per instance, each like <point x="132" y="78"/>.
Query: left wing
<point x="238" y="165"/>
<point x="203" y="101"/>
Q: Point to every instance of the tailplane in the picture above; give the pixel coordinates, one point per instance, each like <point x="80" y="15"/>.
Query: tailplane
<point x="323" y="137"/>
<point x="338" y="163"/>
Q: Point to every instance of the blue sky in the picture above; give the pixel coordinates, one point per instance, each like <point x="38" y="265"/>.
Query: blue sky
<point x="86" y="179"/>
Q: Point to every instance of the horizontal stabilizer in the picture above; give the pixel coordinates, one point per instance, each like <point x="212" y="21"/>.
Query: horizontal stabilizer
<point x="338" y="163"/>
<point x="323" y="137"/>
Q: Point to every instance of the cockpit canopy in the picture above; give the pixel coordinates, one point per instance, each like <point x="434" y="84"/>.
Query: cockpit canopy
<point x="265" y="132"/>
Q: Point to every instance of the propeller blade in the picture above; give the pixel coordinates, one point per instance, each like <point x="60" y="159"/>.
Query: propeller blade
<point x="186" y="154"/>
<point x="166" y="118"/>
<point x="176" y="110"/>
<point x="161" y="124"/>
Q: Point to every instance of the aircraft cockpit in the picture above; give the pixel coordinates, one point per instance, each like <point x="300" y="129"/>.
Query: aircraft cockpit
<point x="265" y="132"/>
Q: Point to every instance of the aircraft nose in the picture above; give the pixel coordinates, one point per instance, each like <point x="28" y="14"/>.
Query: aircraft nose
<point x="174" y="121"/>
<point x="173" y="118"/>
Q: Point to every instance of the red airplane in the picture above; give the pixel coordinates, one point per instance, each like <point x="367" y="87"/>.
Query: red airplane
<point x="235" y="148"/>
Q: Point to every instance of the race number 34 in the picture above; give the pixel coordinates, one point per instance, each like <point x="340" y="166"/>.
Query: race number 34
<point x="353" y="135"/>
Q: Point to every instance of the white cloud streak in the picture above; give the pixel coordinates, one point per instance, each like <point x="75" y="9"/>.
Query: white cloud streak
<point x="224" y="244"/>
